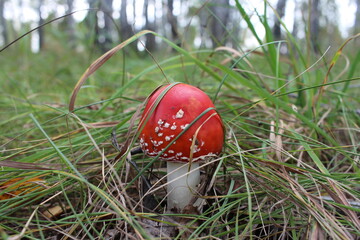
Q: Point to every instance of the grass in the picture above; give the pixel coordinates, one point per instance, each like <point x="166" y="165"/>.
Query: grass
<point x="289" y="169"/>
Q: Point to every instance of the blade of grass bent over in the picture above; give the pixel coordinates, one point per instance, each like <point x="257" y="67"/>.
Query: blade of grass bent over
<point x="98" y="63"/>
<point x="128" y="141"/>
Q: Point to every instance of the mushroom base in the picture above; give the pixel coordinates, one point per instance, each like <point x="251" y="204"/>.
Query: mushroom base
<point x="183" y="179"/>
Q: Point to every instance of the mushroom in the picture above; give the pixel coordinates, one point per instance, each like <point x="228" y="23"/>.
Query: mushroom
<point x="180" y="125"/>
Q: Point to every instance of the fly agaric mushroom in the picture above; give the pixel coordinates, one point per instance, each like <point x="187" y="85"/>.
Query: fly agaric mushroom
<point x="180" y="125"/>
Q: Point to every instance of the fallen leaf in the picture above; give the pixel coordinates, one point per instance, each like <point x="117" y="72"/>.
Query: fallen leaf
<point x="18" y="186"/>
<point x="54" y="212"/>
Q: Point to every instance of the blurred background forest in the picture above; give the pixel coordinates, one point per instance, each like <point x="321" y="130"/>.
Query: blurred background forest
<point x="105" y="23"/>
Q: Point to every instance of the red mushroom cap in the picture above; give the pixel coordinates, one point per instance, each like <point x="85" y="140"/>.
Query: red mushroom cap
<point x="178" y="108"/>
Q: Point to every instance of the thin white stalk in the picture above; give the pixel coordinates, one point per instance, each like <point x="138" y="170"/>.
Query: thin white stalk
<point x="183" y="180"/>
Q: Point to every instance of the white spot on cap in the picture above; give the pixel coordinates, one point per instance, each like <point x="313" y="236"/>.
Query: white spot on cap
<point x="179" y="114"/>
<point x="179" y="154"/>
<point x="184" y="126"/>
<point x="156" y="143"/>
<point x="152" y="153"/>
<point x="157" y="129"/>
<point x="166" y="125"/>
<point x="160" y="134"/>
<point x="167" y="138"/>
<point x="160" y="122"/>
<point x="173" y="127"/>
<point x="196" y="149"/>
<point x="171" y="151"/>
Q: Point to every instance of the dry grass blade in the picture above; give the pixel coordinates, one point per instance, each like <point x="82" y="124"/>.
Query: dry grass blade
<point x="316" y="232"/>
<point x="98" y="63"/>
<point x="125" y="146"/>
<point x="339" y="196"/>
<point x="22" y="233"/>
<point x="128" y="140"/>
<point x="30" y="166"/>
<point x="276" y="141"/>
<point x="323" y="217"/>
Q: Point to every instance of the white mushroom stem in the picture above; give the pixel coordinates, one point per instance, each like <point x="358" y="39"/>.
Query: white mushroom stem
<point x="183" y="180"/>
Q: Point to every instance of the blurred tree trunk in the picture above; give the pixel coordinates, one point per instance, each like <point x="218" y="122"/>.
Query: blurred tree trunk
<point x="70" y="23"/>
<point x="150" y="43"/>
<point x="106" y="30"/>
<point x="172" y="20"/>
<point x="295" y="28"/>
<point x="218" y="22"/>
<point x="314" y="24"/>
<point x="236" y="40"/>
<point x="41" y="30"/>
<point x="3" y="26"/>
<point x="357" y="18"/>
<point x="125" y="28"/>
<point x="91" y="21"/>
<point x="134" y="10"/>
<point x="280" y="9"/>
